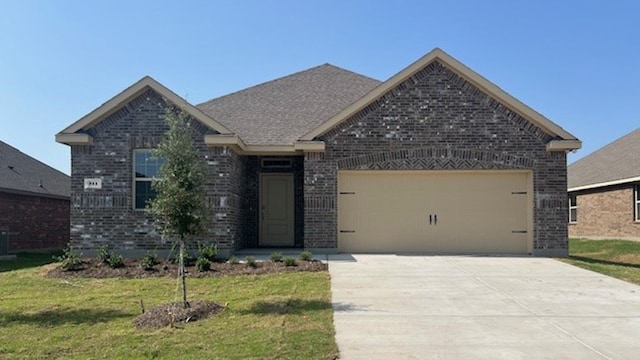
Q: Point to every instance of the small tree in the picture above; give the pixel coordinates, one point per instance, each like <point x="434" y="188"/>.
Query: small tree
<point x="179" y="204"/>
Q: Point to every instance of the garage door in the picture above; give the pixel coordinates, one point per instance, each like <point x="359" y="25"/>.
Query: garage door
<point x="434" y="211"/>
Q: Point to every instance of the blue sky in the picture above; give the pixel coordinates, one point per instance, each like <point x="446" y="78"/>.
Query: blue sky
<point x="576" y="62"/>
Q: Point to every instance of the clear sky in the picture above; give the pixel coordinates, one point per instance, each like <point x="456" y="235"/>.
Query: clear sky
<point x="576" y="62"/>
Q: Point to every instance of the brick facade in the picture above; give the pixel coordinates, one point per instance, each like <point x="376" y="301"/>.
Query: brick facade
<point x="606" y="213"/>
<point x="436" y="120"/>
<point x="34" y="222"/>
<point x="107" y="215"/>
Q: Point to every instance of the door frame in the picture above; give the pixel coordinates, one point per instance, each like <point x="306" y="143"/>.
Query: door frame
<point x="291" y="204"/>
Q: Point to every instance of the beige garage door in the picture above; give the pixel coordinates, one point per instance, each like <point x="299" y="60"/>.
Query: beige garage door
<point x="434" y="211"/>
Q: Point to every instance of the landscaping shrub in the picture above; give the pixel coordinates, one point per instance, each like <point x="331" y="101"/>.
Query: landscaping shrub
<point x="116" y="261"/>
<point x="70" y="260"/>
<point x="233" y="260"/>
<point x="208" y="251"/>
<point x="148" y="260"/>
<point x="104" y="254"/>
<point x="276" y="256"/>
<point x="188" y="260"/>
<point x="289" y="261"/>
<point x="251" y="261"/>
<point x="306" y="256"/>
<point x="203" y="264"/>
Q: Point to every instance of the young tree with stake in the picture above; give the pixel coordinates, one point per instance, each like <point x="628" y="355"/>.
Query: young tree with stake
<point x="179" y="204"/>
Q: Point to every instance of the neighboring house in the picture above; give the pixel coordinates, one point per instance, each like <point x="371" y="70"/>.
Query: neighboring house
<point x="34" y="203"/>
<point x="604" y="191"/>
<point x="434" y="160"/>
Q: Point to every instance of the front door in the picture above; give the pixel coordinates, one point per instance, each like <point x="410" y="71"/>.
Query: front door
<point x="276" y="210"/>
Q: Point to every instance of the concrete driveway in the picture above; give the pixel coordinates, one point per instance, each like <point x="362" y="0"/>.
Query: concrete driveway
<point x="466" y="307"/>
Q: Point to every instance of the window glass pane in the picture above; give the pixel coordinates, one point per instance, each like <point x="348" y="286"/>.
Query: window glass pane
<point x="638" y="211"/>
<point x="573" y="215"/>
<point x="144" y="193"/>
<point x="146" y="166"/>
<point x="572" y="200"/>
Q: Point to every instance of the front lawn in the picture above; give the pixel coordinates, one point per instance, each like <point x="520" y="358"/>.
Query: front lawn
<point x="285" y="315"/>
<point x="617" y="258"/>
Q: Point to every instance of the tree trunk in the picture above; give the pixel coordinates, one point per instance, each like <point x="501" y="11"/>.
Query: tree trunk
<point x="182" y="273"/>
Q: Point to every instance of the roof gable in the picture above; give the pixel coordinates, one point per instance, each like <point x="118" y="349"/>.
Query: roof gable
<point x="280" y="111"/>
<point x="616" y="163"/>
<point x="20" y="173"/>
<point x="73" y="133"/>
<point x="570" y="141"/>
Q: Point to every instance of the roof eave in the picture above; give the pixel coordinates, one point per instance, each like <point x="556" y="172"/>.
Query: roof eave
<point x="34" y="193"/>
<point x="459" y="68"/>
<point x="603" y="184"/>
<point x="74" y="139"/>
<point x="235" y="142"/>
<point x="564" y="145"/>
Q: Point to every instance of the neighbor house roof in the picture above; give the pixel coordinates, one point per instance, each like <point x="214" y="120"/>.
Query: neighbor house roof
<point x="20" y="173"/>
<point x="615" y="163"/>
<point x="280" y="111"/>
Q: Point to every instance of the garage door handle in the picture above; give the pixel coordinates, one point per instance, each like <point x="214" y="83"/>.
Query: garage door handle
<point x="435" y="219"/>
<point x="430" y="219"/>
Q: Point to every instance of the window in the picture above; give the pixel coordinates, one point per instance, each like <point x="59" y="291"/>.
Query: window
<point x="147" y="168"/>
<point x="573" y="208"/>
<point x="276" y="163"/>
<point x="637" y="202"/>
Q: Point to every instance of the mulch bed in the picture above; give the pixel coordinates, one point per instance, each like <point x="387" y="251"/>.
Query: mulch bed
<point x="174" y="313"/>
<point x="92" y="268"/>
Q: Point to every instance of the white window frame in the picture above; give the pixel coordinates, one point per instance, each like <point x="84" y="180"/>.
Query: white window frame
<point x="573" y="206"/>
<point x="137" y="179"/>
<point x="636" y="203"/>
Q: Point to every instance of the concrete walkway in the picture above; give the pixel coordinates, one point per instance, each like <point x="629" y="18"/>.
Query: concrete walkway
<point x="456" y="307"/>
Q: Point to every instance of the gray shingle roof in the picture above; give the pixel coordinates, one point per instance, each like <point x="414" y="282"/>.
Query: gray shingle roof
<point x="21" y="173"/>
<point x="280" y="111"/>
<point x="616" y="161"/>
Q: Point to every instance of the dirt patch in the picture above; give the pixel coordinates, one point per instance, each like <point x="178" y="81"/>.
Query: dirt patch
<point x="92" y="268"/>
<point x="632" y="259"/>
<point x="175" y="313"/>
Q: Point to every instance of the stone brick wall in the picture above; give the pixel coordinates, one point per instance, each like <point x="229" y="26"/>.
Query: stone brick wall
<point x="34" y="222"/>
<point x="436" y="120"/>
<point x="106" y="216"/>
<point x="606" y="213"/>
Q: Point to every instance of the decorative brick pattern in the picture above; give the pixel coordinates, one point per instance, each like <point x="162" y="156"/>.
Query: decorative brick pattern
<point x="436" y="120"/>
<point x="34" y="222"/>
<point x="606" y="213"/>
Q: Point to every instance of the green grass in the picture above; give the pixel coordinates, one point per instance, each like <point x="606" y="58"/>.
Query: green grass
<point x="617" y="258"/>
<point x="27" y="260"/>
<point x="279" y="316"/>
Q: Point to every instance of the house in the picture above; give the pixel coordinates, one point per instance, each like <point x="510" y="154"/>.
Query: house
<point x="435" y="159"/>
<point x="34" y="203"/>
<point x="604" y="191"/>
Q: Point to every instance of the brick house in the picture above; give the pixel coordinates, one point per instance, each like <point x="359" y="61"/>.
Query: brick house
<point x="34" y="203"/>
<point x="435" y="159"/>
<point x="604" y="191"/>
